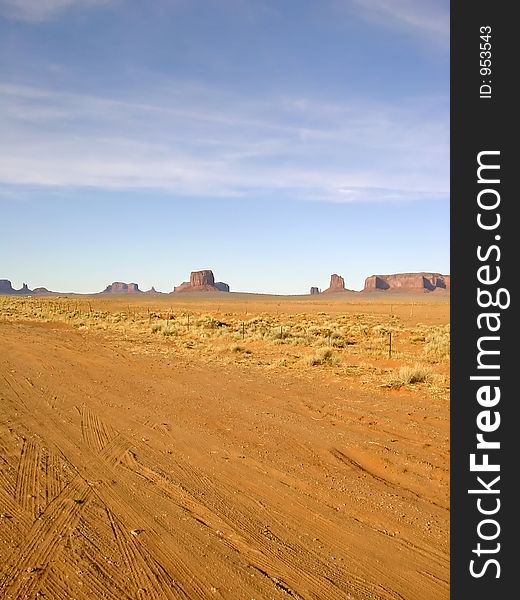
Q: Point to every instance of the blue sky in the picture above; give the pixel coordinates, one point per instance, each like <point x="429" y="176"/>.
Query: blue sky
<point x="273" y="142"/>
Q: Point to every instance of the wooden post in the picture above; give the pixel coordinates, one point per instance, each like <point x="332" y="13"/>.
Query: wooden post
<point x="390" y="346"/>
<point x="243" y="330"/>
<point x="188" y="322"/>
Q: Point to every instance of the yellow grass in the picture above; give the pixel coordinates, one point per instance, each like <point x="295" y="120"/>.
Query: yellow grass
<point x="347" y="336"/>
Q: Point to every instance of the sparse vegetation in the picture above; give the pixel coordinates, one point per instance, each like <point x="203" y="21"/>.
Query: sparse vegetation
<point x="354" y="344"/>
<point x="240" y="349"/>
<point x="325" y="356"/>
<point x="416" y="374"/>
<point x="437" y="347"/>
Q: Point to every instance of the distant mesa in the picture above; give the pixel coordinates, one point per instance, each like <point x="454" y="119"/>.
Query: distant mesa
<point x="412" y="282"/>
<point x="337" y="285"/>
<point x="202" y="281"/>
<point x="152" y="292"/>
<point x="118" y="287"/>
<point x="43" y="291"/>
<point x="223" y="287"/>
<point x="6" y="287"/>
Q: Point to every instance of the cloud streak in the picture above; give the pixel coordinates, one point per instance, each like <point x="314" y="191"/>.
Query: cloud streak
<point x="36" y="11"/>
<point x="431" y="17"/>
<point x="203" y="141"/>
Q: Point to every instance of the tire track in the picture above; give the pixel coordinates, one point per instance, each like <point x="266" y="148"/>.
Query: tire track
<point x="27" y="490"/>
<point x="242" y="530"/>
<point x="107" y="460"/>
<point x="86" y="584"/>
<point x="282" y="555"/>
<point x="15" y="392"/>
<point x="57" y="587"/>
<point x="94" y="431"/>
<point x="168" y="566"/>
<point x="6" y="484"/>
<point x="145" y="573"/>
<point x="350" y="462"/>
<point x="103" y="578"/>
<point x="14" y="522"/>
<point x="353" y="464"/>
<point x="52" y="474"/>
<point x="203" y="522"/>
<point x="23" y="576"/>
<point x="209" y="502"/>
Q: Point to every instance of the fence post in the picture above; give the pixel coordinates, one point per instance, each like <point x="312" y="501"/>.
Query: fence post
<point x="390" y="346"/>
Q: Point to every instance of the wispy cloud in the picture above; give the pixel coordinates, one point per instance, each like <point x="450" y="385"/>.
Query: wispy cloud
<point x="204" y="141"/>
<point x="422" y="17"/>
<point x="35" y="11"/>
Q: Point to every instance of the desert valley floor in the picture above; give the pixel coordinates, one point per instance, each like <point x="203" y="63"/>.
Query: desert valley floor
<point x="144" y="455"/>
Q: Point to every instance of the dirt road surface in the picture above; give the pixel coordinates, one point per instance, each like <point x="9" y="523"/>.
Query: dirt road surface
<point x="124" y="475"/>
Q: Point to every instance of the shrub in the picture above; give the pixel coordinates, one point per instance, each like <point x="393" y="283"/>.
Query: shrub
<point x="415" y="374"/>
<point x="437" y="346"/>
<point x="324" y="356"/>
<point x="236" y="348"/>
<point x="208" y="322"/>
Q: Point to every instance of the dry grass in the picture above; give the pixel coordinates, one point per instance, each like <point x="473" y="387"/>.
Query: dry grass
<point x="416" y="374"/>
<point x="324" y="356"/>
<point x="437" y="346"/>
<point x="350" y="340"/>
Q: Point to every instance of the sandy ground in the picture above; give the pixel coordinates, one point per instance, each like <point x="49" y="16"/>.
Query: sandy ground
<point x="126" y="475"/>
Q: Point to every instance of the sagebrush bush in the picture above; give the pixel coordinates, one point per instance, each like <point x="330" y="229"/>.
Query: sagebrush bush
<point x="240" y="349"/>
<point x="437" y="346"/>
<point x="415" y="374"/>
<point x="323" y="356"/>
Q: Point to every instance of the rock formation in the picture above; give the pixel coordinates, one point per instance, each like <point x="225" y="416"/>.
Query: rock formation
<point x="314" y="291"/>
<point x="185" y="285"/>
<point x="223" y="287"/>
<point x="418" y="282"/>
<point x="119" y="287"/>
<point x="6" y="287"/>
<point x="202" y="281"/>
<point x="43" y="291"/>
<point x="337" y="284"/>
<point x="152" y="292"/>
<point x="200" y="278"/>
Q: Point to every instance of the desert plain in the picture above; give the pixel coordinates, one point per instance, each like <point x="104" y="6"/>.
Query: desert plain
<point x="231" y="446"/>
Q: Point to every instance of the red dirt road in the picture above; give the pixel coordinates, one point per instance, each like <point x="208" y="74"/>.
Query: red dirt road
<point x="135" y="476"/>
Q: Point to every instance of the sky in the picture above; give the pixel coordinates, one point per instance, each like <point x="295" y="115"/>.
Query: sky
<point x="274" y="142"/>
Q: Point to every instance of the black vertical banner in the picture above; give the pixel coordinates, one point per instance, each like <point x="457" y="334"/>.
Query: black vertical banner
<point x="485" y="436"/>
